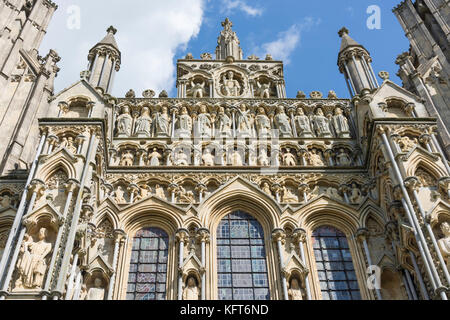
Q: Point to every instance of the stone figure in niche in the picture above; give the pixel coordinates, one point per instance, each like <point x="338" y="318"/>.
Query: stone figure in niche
<point x="244" y="121"/>
<point x="183" y="125"/>
<point x="197" y="89"/>
<point x="191" y="291"/>
<point x="223" y="123"/>
<point x="124" y="122"/>
<point x="406" y="144"/>
<point x="185" y="196"/>
<point x="230" y="86"/>
<point x="315" y="158"/>
<point x="154" y="158"/>
<point x="127" y="159"/>
<point x="32" y="265"/>
<point x="262" y="123"/>
<point x="263" y="90"/>
<point x="204" y="123"/>
<point x="159" y="192"/>
<point x="340" y="123"/>
<point x="181" y="159"/>
<point x="444" y="243"/>
<point x="143" y="124"/>
<point x="68" y="144"/>
<point x="303" y="124"/>
<point x="97" y="292"/>
<point x="236" y="159"/>
<point x="343" y="158"/>
<point x="263" y="159"/>
<point x="161" y="123"/>
<point x="334" y="194"/>
<point x="295" y="292"/>
<point x="208" y="158"/>
<point x="288" y="196"/>
<point x="322" y="125"/>
<point x="5" y="201"/>
<point x="119" y="195"/>
<point x="282" y="123"/>
<point x="144" y="193"/>
<point x="288" y="158"/>
<point x="266" y="188"/>
<point x="355" y="194"/>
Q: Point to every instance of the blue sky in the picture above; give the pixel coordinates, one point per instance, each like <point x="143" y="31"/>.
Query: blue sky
<point x="153" y="34"/>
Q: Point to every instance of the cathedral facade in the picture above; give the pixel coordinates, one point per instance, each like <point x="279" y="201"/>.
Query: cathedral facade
<point x="231" y="190"/>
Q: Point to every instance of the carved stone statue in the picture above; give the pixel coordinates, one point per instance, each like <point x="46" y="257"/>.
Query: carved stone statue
<point x="322" y="125"/>
<point x="159" y="192"/>
<point x="204" y="123"/>
<point x="355" y="195"/>
<point x="406" y="144"/>
<point x="340" y="123"/>
<point x="68" y="144"/>
<point x="97" y="292"/>
<point x="266" y="188"/>
<point x="262" y="123"/>
<point x="230" y="86"/>
<point x="263" y="90"/>
<point x="288" y="196"/>
<point x="154" y="158"/>
<point x="303" y="124"/>
<point x="181" y="158"/>
<point x="282" y="123"/>
<point x="444" y="243"/>
<point x="32" y="266"/>
<point x="185" y="196"/>
<point x="343" y="158"/>
<point x="236" y="159"/>
<point x="124" y="122"/>
<point x="161" y="123"/>
<point x="263" y="159"/>
<point x="144" y="193"/>
<point x="127" y="159"/>
<point x="191" y="291"/>
<point x="244" y="122"/>
<point x="334" y="194"/>
<point x="315" y="159"/>
<point x="288" y="158"/>
<point x="295" y="293"/>
<point x="143" y="124"/>
<point x="223" y="123"/>
<point x="119" y="195"/>
<point x="208" y="158"/>
<point x="183" y="125"/>
<point x="197" y="89"/>
<point x="5" y="201"/>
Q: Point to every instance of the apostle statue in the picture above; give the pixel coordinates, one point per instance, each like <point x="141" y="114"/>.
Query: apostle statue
<point x="340" y="123"/>
<point x="161" y="123"/>
<point x="97" y="292"/>
<point x="154" y="158"/>
<point x="208" y="158"/>
<point x="204" y="123"/>
<point x="444" y="243"/>
<point x="244" y="122"/>
<point x="262" y="123"/>
<point x="223" y="123"/>
<point x="303" y="124"/>
<point x="322" y="125"/>
<point x="191" y="291"/>
<point x="236" y="159"/>
<point x="295" y="293"/>
<point x="230" y="86"/>
<point x="183" y="125"/>
<point x="282" y="123"/>
<point x="124" y="122"/>
<point x="143" y="124"/>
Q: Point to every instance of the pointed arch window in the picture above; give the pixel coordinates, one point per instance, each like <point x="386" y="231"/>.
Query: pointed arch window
<point x="241" y="259"/>
<point x="148" y="267"/>
<point x="334" y="265"/>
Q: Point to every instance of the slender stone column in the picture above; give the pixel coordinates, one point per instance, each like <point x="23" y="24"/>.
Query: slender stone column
<point x="203" y="236"/>
<point x="71" y="277"/>
<point x="350" y="78"/>
<point x="300" y="238"/>
<point x="411" y="285"/>
<point x="279" y="237"/>
<point x="438" y="147"/>
<point x="423" y="288"/>
<point x="118" y="243"/>
<point x="362" y="235"/>
<point x="182" y="236"/>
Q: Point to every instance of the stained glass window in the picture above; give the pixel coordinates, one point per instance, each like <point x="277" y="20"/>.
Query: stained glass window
<point x="334" y="265"/>
<point x="241" y="259"/>
<point x="148" y="266"/>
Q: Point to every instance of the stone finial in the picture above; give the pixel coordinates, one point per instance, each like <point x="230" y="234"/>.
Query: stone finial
<point x="316" y="95"/>
<point x="332" y="95"/>
<point x="148" y="94"/>
<point x="189" y="56"/>
<point x="163" y="94"/>
<point x="343" y="31"/>
<point x="130" y="94"/>
<point x="269" y="57"/>
<point x="227" y="23"/>
<point x="384" y="75"/>
<point x="206" y="56"/>
<point x="112" y="30"/>
<point x="301" y="95"/>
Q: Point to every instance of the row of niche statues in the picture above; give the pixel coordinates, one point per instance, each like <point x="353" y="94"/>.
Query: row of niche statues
<point x="236" y="157"/>
<point x="242" y="123"/>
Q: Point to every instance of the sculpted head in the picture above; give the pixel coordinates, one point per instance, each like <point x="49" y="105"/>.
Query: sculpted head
<point x="230" y="75"/>
<point x="294" y="284"/>
<point x="203" y="108"/>
<point x="300" y="112"/>
<point x="184" y="110"/>
<point x="98" y="282"/>
<point x="319" y="112"/>
<point x="445" y="228"/>
<point x="243" y="107"/>
<point x="125" y="109"/>
<point x="191" y="282"/>
<point x="280" y="109"/>
<point x="145" y="110"/>
<point x="261" y="111"/>
<point x="338" y="111"/>
<point x="43" y="234"/>
<point x="221" y="110"/>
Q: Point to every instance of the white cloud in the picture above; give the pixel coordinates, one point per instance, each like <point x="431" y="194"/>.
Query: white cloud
<point x="231" y="5"/>
<point x="287" y="41"/>
<point x="148" y="36"/>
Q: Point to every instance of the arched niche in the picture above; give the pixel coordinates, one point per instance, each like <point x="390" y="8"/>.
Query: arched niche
<point x="392" y="287"/>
